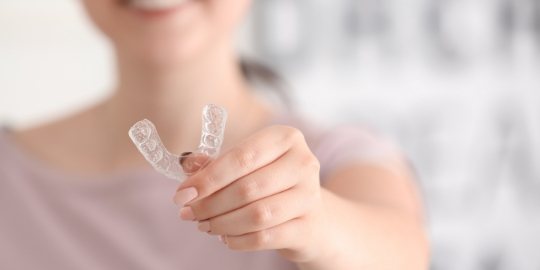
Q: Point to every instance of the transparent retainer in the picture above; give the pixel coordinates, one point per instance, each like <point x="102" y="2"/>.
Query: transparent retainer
<point x="145" y="137"/>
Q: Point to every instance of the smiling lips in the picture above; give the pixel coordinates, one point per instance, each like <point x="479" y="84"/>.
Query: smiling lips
<point x="155" y="5"/>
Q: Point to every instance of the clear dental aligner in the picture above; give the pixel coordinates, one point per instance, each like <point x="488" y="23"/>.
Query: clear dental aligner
<point x="145" y="137"/>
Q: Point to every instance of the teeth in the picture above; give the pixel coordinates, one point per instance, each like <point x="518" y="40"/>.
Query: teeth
<point x="155" y="4"/>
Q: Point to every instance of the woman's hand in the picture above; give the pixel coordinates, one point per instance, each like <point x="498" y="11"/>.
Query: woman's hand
<point x="263" y="193"/>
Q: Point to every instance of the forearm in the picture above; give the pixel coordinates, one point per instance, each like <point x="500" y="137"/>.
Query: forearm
<point x="368" y="236"/>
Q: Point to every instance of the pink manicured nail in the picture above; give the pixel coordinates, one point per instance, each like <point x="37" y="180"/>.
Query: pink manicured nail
<point x="186" y="213"/>
<point x="185" y="195"/>
<point x="204" y="226"/>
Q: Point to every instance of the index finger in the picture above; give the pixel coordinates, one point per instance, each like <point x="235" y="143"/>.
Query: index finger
<point x="255" y="152"/>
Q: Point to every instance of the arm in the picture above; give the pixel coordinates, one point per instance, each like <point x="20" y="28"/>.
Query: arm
<point x="265" y="193"/>
<point x="376" y="220"/>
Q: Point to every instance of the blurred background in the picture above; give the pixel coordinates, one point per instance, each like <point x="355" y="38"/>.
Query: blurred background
<point x="455" y="82"/>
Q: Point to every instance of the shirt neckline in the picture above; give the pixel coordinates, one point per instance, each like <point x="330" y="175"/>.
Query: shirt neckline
<point x="35" y="166"/>
<point x="40" y="167"/>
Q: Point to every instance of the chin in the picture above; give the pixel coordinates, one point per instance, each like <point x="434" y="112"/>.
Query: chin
<point x="162" y="32"/>
<point x="165" y="44"/>
<point x="168" y="51"/>
<point x="175" y="39"/>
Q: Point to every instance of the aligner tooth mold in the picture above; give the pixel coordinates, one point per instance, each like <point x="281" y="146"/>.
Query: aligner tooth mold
<point x="146" y="138"/>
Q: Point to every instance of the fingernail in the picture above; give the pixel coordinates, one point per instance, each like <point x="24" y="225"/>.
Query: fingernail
<point x="185" y="195"/>
<point x="183" y="157"/>
<point x="223" y="239"/>
<point x="204" y="226"/>
<point x="186" y="154"/>
<point x="186" y="213"/>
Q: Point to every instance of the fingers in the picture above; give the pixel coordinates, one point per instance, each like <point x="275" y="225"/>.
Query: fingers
<point x="260" y="149"/>
<point x="272" y="179"/>
<point x="286" y="235"/>
<point x="192" y="162"/>
<point x="262" y="214"/>
<point x="258" y="194"/>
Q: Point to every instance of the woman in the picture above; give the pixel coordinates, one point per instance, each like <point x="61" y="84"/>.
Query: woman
<point x="77" y="195"/>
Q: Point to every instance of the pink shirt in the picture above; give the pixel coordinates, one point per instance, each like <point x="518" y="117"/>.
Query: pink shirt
<point x="127" y="220"/>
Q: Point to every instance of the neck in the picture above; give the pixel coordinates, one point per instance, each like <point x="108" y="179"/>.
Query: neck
<point x="172" y="97"/>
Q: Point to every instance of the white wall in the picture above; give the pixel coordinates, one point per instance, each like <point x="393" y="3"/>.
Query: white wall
<point x="51" y="60"/>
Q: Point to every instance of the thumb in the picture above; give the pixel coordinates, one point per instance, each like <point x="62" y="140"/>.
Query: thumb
<point x="192" y="162"/>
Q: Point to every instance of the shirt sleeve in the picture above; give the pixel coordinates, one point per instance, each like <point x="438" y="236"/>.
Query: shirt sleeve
<point x="349" y="144"/>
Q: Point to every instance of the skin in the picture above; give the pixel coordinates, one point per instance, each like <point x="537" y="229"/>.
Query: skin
<point x="264" y="191"/>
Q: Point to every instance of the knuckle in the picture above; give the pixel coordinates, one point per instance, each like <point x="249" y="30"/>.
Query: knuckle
<point x="312" y="194"/>
<point x="261" y="215"/>
<point x="310" y="163"/>
<point x="248" y="190"/>
<point x="244" y="157"/>
<point x="261" y="239"/>
<point x="311" y="198"/>
<point x="292" y="134"/>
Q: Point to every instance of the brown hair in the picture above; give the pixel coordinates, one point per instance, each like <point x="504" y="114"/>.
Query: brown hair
<point x="256" y="72"/>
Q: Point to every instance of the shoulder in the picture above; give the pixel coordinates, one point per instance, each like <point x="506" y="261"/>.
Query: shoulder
<point x="62" y="143"/>
<point x="339" y="145"/>
<point x="37" y="141"/>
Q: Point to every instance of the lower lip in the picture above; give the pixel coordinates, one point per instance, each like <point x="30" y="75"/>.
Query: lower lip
<point x="160" y="13"/>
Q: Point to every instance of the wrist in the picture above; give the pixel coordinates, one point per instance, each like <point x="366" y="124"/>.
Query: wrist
<point x="327" y="240"/>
